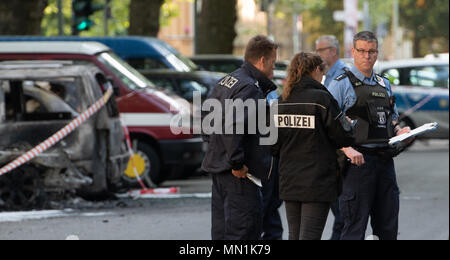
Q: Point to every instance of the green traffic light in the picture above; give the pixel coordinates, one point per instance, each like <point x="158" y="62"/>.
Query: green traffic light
<point x="82" y="10"/>
<point x="84" y="25"/>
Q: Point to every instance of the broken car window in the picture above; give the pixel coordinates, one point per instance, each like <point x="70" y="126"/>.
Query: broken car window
<point x="29" y="100"/>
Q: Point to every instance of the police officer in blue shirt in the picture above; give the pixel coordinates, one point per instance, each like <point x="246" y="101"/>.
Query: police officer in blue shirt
<point x="327" y="47"/>
<point x="369" y="184"/>
<point x="272" y="226"/>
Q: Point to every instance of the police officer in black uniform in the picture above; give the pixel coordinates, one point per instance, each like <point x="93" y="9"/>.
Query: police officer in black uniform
<point x="369" y="184"/>
<point x="237" y="201"/>
<point x="311" y="128"/>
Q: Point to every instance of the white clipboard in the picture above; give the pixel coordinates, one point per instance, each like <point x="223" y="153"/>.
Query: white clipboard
<point x="416" y="132"/>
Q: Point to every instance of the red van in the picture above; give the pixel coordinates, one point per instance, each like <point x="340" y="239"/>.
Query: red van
<point x="146" y="110"/>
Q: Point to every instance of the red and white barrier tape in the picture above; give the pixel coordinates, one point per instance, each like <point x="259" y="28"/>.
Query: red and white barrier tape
<point x="159" y="191"/>
<point x="61" y="134"/>
<point x="131" y="151"/>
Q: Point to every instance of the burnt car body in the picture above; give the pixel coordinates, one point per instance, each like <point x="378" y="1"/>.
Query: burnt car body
<point x="37" y="99"/>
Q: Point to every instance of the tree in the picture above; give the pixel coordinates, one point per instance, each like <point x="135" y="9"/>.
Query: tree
<point x="49" y="24"/>
<point x="145" y="17"/>
<point x="317" y="17"/>
<point x="428" y="24"/>
<point x="215" y="32"/>
<point x="18" y="17"/>
<point x="318" y="21"/>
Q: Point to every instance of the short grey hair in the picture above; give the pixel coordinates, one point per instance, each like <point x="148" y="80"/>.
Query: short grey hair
<point x="332" y="41"/>
<point x="365" y="36"/>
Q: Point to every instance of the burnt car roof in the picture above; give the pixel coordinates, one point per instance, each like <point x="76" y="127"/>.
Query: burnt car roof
<point x="87" y="48"/>
<point x="35" y="70"/>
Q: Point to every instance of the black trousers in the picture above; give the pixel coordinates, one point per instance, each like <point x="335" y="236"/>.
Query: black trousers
<point x="272" y="227"/>
<point x="236" y="208"/>
<point x="370" y="190"/>
<point x="306" y="220"/>
<point x="338" y="224"/>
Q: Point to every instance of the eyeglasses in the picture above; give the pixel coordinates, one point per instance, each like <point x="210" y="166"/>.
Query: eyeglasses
<point x="370" y="52"/>
<point x="323" y="49"/>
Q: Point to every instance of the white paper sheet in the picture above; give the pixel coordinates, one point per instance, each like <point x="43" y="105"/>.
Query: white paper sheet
<point x="418" y="131"/>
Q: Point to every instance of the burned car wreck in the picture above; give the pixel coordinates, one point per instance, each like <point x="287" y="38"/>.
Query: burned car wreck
<point x="37" y="99"/>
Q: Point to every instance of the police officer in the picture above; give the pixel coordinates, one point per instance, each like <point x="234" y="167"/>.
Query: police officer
<point x="327" y="46"/>
<point x="237" y="201"/>
<point x="369" y="185"/>
<point x="272" y="228"/>
<point x="311" y="128"/>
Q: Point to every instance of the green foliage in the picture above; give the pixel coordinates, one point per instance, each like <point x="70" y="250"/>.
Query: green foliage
<point x="117" y="25"/>
<point x="428" y="18"/>
<point x="170" y="10"/>
<point x="49" y="23"/>
<point x="427" y="22"/>
<point x="298" y="6"/>
<point x="319" y="21"/>
<point x="317" y="17"/>
<point x="380" y="12"/>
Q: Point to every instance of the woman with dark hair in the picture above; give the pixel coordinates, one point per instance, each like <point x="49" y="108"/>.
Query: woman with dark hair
<point x="311" y="127"/>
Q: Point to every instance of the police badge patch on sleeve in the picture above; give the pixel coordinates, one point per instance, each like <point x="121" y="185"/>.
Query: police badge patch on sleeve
<point x="380" y="81"/>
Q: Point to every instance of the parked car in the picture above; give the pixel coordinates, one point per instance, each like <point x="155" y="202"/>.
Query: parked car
<point x="218" y="62"/>
<point x="421" y="87"/>
<point x="226" y="63"/>
<point x="185" y="83"/>
<point x="230" y="63"/>
<point x="443" y="56"/>
<point x="39" y="99"/>
<point x="147" y="111"/>
<point x="142" y="53"/>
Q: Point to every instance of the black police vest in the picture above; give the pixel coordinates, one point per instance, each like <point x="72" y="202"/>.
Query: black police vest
<point x="373" y="110"/>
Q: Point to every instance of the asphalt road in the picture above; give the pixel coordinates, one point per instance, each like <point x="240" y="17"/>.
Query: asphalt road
<point x="423" y="177"/>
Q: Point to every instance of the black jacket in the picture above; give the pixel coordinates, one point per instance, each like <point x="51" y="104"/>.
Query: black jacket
<point x="311" y="128"/>
<point x="227" y="152"/>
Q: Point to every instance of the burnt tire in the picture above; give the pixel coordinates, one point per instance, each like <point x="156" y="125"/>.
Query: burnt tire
<point x="22" y="189"/>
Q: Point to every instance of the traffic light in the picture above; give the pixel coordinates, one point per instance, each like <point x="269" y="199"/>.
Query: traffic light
<point x="82" y="9"/>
